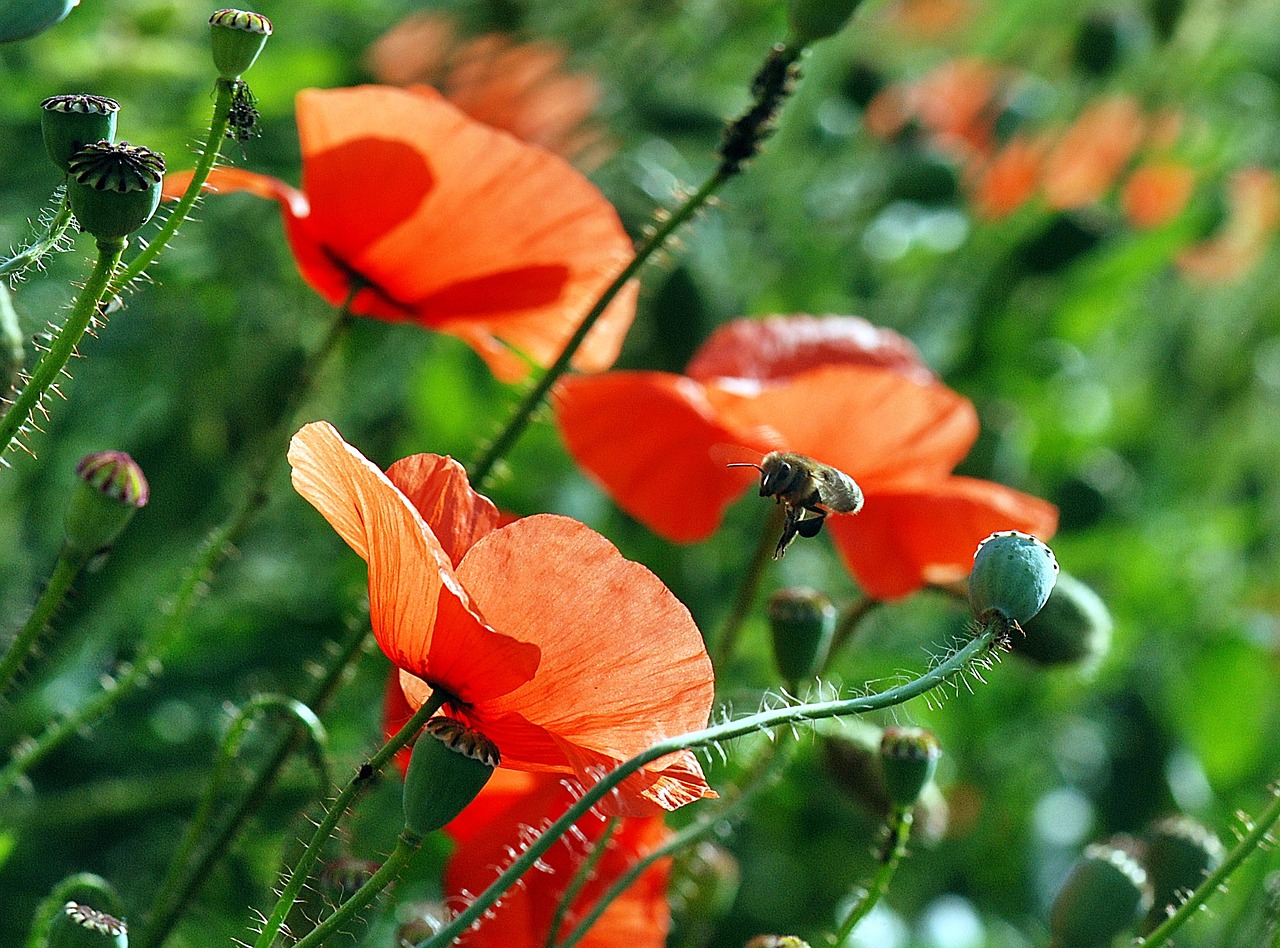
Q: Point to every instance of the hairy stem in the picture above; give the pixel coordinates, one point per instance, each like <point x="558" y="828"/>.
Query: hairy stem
<point x="64" y="574"/>
<point x="12" y="342"/>
<point x="898" y="830"/>
<point x="579" y="880"/>
<point x="43" y="243"/>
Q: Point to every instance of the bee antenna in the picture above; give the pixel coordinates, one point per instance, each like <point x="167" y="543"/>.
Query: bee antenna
<point x="746" y="464"/>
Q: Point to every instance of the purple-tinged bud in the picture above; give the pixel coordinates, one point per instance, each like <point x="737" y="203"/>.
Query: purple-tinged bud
<point x="1180" y="852"/>
<point x="114" y="189"/>
<point x="69" y="122"/>
<point x="237" y="37"/>
<point x="1013" y="574"/>
<point x="448" y="768"/>
<point x="1073" y="628"/>
<point x="111" y="491"/>
<point x="80" y="926"/>
<point x="908" y="761"/>
<point x="1104" y="895"/>
<point x="23" y="19"/>
<point x="802" y="622"/>
<point x="812" y="20"/>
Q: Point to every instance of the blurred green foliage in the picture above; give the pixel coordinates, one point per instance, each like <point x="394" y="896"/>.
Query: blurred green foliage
<point x="1147" y="406"/>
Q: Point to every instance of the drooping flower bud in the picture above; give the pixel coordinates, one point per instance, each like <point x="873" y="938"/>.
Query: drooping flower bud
<point x="114" y="189"/>
<point x="237" y="37"/>
<point x="812" y="20"/>
<point x="23" y="19"/>
<point x="80" y="926"/>
<point x="802" y="622"/>
<point x="449" y="767"/>
<point x="908" y="761"/>
<point x="1013" y="574"/>
<point x="1180" y="853"/>
<point x="1103" y="896"/>
<point x="69" y="122"/>
<point x="1073" y="628"/>
<point x="112" y="489"/>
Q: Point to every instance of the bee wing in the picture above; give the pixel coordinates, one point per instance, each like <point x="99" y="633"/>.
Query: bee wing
<point x="838" y="490"/>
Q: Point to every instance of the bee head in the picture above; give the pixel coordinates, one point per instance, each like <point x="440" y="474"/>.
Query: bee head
<point x="776" y="477"/>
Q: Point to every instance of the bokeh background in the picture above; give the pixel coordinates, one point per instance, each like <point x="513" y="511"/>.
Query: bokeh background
<point x="1069" y="208"/>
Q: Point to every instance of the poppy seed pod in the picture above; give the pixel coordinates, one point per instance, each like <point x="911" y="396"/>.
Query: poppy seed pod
<point x="812" y="20"/>
<point x="908" y="761"/>
<point x="114" y="189"/>
<point x="777" y="941"/>
<point x="1180" y="852"/>
<point x="237" y="37"/>
<point x="1103" y="896"/>
<point x="112" y="489"/>
<point x="1073" y="627"/>
<point x="79" y="926"/>
<point x="449" y="767"/>
<point x="802" y="622"/>
<point x="23" y="19"/>
<point x="69" y="122"/>
<point x="1013" y="574"/>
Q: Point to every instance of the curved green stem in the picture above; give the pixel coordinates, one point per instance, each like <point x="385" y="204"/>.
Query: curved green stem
<point x="579" y="880"/>
<point x="898" y="828"/>
<point x="63" y="346"/>
<point x="64" y="574"/>
<point x="940" y="674"/>
<point x="727" y="641"/>
<point x="45" y="242"/>
<point x="297" y="879"/>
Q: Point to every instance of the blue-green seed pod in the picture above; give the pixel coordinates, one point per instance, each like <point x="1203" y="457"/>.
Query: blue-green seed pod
<point x="802" y="622"/>
<point x="908" y="761"/>
<point x="237" y="37"/>
<point x="69" y="122"/>
<point x="1180" y="852"/>
<point x="114" y="189"/>
<point x="812" y="20"/>
<point x="112" y="489"/>
<point x="1104" y="895"/>
<point x="448" y="768"/>
<point x="1013" y="574"/>
<point x="23" y="19"/>
<point x="80" y="926"/>
<point x="1073" y="628"/>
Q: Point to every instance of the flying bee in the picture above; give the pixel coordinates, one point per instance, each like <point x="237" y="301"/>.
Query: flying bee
<point x="806" y="488"/>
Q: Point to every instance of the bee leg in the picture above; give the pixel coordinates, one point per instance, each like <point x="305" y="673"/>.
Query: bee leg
<point x="810" y="526"/>
<point x="790" y="527"/>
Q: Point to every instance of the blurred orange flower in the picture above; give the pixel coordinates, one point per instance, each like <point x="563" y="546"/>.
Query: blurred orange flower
<point x="1157" y="192"/>
<point x="834" y="388"/>
<point x="1009" y="179"/>
<point x="435" y="219"/>
<point x="1087" y="160"/>
<point x="1252" y="218"/>
<point x="570" y="658"/>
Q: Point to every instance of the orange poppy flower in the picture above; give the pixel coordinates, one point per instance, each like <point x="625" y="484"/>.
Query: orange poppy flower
<point x="1088" y="158"/>
<point x="1157" y="192"/>
<point x="442" y="221"/>
<point x="834" y="388"/>
<point x="568" y="657"/>
<point x="497" y="823"/>
<point x="1253" y="216"/>
<point x="1010" y="179"/>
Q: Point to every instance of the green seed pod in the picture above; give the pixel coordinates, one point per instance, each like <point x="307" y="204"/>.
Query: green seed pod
<point x="812" y="20"/>
<point x="114" y="189"/>
<point x="803" y="622"/>
<point x="1013" y="574"/>
<point x="777" y="941"/>
<point x="79" y="926"/>
<point x="449" y="766"/>
<point x="23" y="19"/>
<point x="908" y="761"/>
<point x="111" y="491"/>
<point x="1180" y="853"/>
<point x="1103" y="896"/>
<point x="237" y="37"/>
<point x="69" y="122"/>
<point x="1073" y="628"/>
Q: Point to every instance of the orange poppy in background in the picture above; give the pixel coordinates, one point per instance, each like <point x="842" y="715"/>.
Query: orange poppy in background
<point x="1090" y="156"/>
<point x="436" y="219"/>
<point x="497" y="824"/>
<point x="834" y="388"/>
<point x="1009" y="179"/>
<point x="1157" y="192"/>
<point x="1253" y="216"/>
<point x="568" y="657"/>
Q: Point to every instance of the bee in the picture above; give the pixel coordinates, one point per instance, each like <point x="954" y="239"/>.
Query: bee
<point x="806" y="488"/>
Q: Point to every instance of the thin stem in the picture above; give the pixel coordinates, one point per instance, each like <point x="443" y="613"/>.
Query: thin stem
<point x="898" y="828"/>
<point x="579" y="880"/>
<point x="727" y="640"/>
<point x="337" y="808"/>
<point x="63" y="346"/>
<point x="64" y="574"/>
<point x="45" y="242"/>
<point x="1258" y="835"/>
<point x="940" y="674"/>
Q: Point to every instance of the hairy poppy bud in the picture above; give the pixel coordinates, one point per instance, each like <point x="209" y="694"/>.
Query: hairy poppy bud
<point x="1104" y="894"/>
<point x="1180" y="853"/>
<point x="23" y="19"/>
<point x="449" y="766"/>
<point x="69" y="122"/>
<point x="1013" y="574"/>
<point x="812" y="20"/>
<point x="1073" y="628"/>
<point x="79" y="926"/>
<point x="908" y="761"/>
<point x="237" y="37"/>
<point x="111" y="491"/>
<point x="802" y="622"/>
<point x="114" y="189"/>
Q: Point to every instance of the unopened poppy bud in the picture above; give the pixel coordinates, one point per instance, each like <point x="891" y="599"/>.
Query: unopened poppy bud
<point x="1180" y="853"/>
<point x="69" y="122"/>
<point x="237" y="37"/>
<point x="908" y="761"/>
<point x="705" y="881"/>
<point x="111" y="491"/>
<point x="777" y="941"/>
<point x="114" y="189"/>
<point x="1073" y="628"/>
<point x="1103" y="896"/>
<point x="1013" y="574"/>
<point x="448" y="768"/>
<point x="23" y="19"/>
<point x="812" y="20"/>
<point x="80" y="926"/>
<point x="802" y="622"/>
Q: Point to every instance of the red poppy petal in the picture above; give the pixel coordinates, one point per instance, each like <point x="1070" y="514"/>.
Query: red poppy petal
<point x="780" y="346"/>
<point x="440" y="491"/>
<point x="653" y="442"/>
<point x="875" y="424"/>
<point x="907" y="537"/>
<point x="421" y="615"/>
